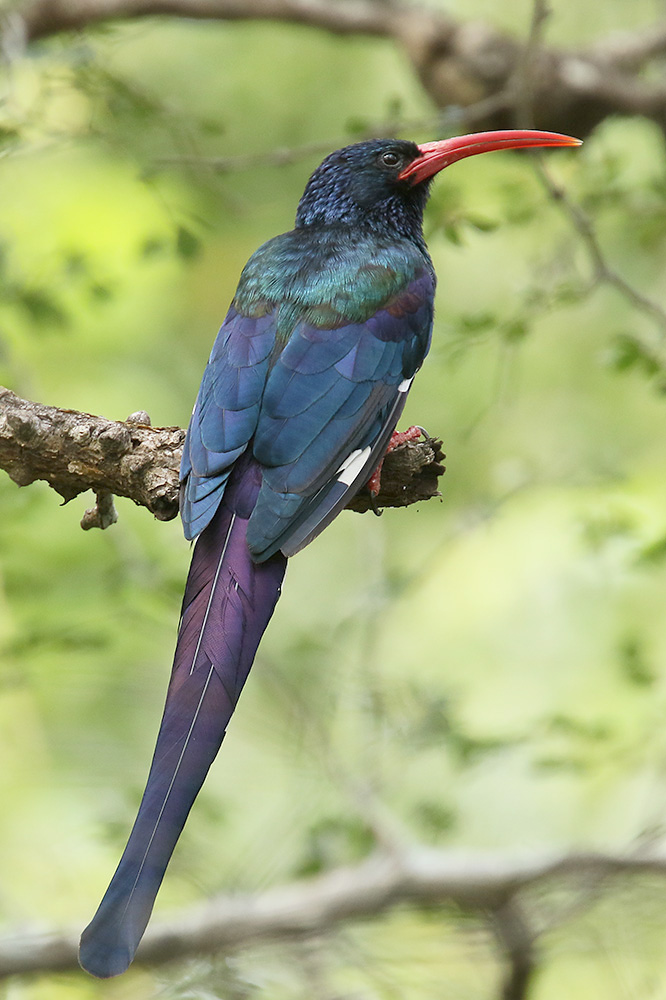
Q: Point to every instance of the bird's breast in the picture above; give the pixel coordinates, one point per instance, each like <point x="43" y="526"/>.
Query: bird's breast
<point x="326" y="279"/>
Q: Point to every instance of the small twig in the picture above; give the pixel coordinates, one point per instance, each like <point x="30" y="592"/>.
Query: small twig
<point x="603" y="273"/>
<point x="446" y="122"/>
<point x="434" y="126"/>
<point x="522" y="85"/>
<point x="103" y="514"/>
<point x="516" y="940"/>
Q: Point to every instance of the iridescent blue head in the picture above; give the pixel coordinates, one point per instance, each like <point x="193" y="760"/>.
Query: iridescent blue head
<point x="361" y="184"/>
<point x="384" y="183"/>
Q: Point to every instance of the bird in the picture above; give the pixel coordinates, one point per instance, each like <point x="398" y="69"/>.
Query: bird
<point x="300" y="397"/>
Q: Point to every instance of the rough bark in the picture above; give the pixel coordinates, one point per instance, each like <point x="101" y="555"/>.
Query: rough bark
<point x="74" y="452"/>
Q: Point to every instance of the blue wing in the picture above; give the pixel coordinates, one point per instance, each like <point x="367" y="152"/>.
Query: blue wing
<point x="225" y="414"/>
<point x="319" y="413"/>
<point x="332" y="400"/>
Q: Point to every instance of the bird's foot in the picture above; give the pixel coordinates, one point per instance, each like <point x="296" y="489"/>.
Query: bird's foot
<point x="398" y="438"/>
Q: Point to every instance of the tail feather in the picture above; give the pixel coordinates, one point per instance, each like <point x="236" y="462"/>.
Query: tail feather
<point x="228" y="603"/>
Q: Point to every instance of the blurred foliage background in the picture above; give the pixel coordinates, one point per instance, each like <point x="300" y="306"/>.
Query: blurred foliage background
<point x="488" y="668"/>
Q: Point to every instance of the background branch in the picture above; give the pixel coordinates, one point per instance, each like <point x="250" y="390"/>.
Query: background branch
<point x="458" y="63"/>
<point x="516" y="939"/>
<point x="420" y="876"/>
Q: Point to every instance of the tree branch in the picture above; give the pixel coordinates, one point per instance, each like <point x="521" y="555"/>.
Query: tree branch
<point x="652" y="346"/>
<point x="459" y="63"/>
<point x="421" y="876"/>
<point x="629" y="50"/>
<point x="74" y="452"/>
<point x="48" y="17"/>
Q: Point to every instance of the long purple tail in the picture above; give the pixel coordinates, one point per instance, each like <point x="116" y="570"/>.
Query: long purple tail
<point x="227" y="605"/>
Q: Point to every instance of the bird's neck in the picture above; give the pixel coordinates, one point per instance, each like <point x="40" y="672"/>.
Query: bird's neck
<point x="329" y="273"/>
<point x="398" y="218"/>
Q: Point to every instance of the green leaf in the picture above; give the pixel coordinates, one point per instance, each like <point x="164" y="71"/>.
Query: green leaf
<point x="482" y="223"/>
<point x="634" y="664"/>
<point x="188" y="245"/>
<point x="451" y="232"/>
<point x="627" y="352"/>
<point x="42" y="307"/>
<point x="477" y="322"/>
<point x="514" y="330"/>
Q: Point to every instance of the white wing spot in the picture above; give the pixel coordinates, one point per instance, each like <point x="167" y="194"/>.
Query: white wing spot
<point x="405" y="384"/>
<point x="352" y="465"/>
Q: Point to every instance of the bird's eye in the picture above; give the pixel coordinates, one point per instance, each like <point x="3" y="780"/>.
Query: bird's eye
<point x="390" y="159"/>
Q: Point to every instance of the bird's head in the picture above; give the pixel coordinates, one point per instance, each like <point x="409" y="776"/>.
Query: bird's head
<point x="389" y="179"/>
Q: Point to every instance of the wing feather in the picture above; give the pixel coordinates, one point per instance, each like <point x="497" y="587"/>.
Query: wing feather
<point x="312" y="417"/>
<point x="225" y="414"/>
<point x="305" y="409"/>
